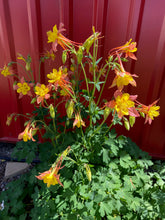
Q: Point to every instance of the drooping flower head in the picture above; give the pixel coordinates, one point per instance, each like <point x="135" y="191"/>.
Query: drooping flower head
<point x="50" y="177"/>
<point x="6" y="71"/>
<point x="28" y="133"/>
<point x="150" y="111"/>
<point x="122" y="79"/>
<point x="42" y="92"/>
<point x="23" y="88"/>
<point x="9" y="119"/>
<point x="128" y="48"/>
<point x="55" y="37"/>
<point x="125" y="105"/>
<point x="78" y="121"/>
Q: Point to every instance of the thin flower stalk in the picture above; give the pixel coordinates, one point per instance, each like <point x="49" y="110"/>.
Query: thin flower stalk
<point x="85" y="76"/>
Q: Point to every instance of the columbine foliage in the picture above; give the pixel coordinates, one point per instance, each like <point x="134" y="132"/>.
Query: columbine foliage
<point x="125" y="183"/>
<point x="90" y="172"/>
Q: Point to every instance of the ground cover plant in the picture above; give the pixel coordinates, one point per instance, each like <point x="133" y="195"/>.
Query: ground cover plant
<point x="86" y="171"/>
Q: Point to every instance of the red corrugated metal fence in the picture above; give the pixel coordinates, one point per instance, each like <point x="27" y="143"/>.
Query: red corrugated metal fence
<point x="23" y="27"/>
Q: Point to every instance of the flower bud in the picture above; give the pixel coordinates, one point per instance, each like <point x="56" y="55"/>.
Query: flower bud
<point x="27" y="67"/>
<point x="70" y="109"/>
<point x="106" y="112"/>
<point x="79" y="55"/>
<point x="64" y="56"/>
<point x="126" y="124"/>
<point x="67" y="122"/>
<point x="88" y="172"/>
<point x="142" y="114"/>
<point x="51" y="110"/>
<point x="131" y="120"/>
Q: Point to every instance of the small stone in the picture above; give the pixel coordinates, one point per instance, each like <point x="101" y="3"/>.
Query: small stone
<point x="15" y="168"/>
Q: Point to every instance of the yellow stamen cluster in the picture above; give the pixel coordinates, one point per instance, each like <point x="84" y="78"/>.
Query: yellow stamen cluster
<point x="153" y="111"/>
<point x="5" y="71"/>
<point x="123" y="103"/>
<point x="123" y="80"/>
<point x="50" y="179"/>
<point x="54" y="76"/>
<point x="41" y="90"/>
<point x="26" y="137"/>
<point x="23" y="88"/>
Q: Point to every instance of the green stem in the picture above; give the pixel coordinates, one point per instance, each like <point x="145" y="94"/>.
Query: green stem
<point x="94" y="66"/>
<point x="102" y="89"/>
<point x="97" y="129"/>
<point x="75" y="156"/>
<point x="39" y="76"/>
<point x="29" y="117"/>
<point x="85" y="78"/>
<point x="31" y="79"/>
<point x="95" y="47"/>
<point x="102" y="71"/>
<point x="54" y="145"/>
<point x="44" y="125"/>
<point x="31" y="72"/>
<point x="83" y="136"/>
<point x="54" y="126"/>
<point x="109" y="127"/>
<point x="69" y="158"/>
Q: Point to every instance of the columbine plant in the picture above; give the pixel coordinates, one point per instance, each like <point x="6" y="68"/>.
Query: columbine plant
<point x="85" y="109"/>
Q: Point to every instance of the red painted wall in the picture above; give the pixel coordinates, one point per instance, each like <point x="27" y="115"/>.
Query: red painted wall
<point x="23" y="27"/>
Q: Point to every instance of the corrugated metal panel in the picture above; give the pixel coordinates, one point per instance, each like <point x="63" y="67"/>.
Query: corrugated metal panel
<point x="23" y="26"/>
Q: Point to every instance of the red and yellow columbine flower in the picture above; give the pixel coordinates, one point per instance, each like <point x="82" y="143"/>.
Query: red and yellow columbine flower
<point x="150" y="111"/>
<point x="23" y="88"/>
<point x="125" y="105"/>
<point x="42" y="92"/>
<point x="9" y="119"/>
<point x="6" y="71"/>
<point x="26" y="60"/>
<point x="50" y="177"/>
<point x="59" y="78"/>
<point x="129" y="48"/>
<point x="123" y="79"/>
<point x="55" y="37"/>
<point x="28" y="133"/>
<point x="50" y="54"/>
<point x="78" y="121"/>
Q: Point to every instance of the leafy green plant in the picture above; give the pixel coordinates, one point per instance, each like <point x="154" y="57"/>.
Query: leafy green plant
<point x="104" y="176"/>
<point x="124" y="184"/>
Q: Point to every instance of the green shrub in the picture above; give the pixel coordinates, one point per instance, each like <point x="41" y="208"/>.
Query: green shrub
<point x="125" y="183"/>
